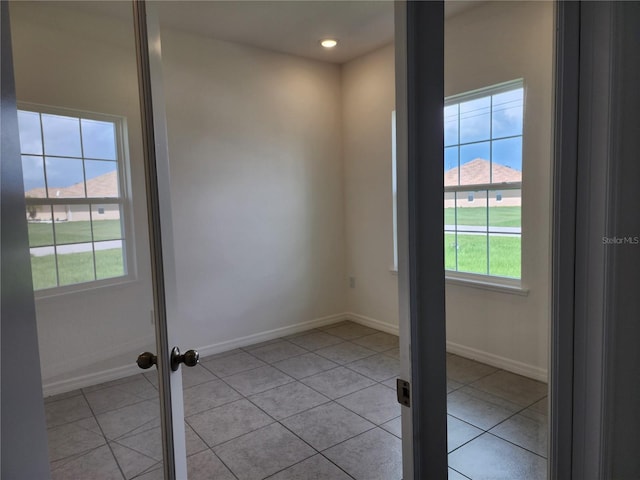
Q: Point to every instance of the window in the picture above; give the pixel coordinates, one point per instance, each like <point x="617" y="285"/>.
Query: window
<point x="73" y="171"/>
<point x="482" y="181"/>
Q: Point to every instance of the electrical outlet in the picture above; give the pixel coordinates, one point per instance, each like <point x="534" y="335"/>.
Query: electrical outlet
<point x="352" y="282"/>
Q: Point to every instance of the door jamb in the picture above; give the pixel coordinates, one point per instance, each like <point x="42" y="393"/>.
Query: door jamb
<point x="561" y="373"/>
<point x="420" y="127"/>
<point x="156" y="160"/>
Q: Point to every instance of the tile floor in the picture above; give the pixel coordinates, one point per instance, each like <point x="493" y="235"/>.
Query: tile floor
<point x="316" y="405"/>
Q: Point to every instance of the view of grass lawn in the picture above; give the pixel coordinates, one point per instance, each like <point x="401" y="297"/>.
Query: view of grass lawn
<point x="76" y="268"/>
<point x="504" y="254"/>
<point x="477" y="216"/>
<point x="41" y="233"/>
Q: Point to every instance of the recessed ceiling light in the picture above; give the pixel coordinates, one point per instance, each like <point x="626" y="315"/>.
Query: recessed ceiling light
<point x="329" y="43"/>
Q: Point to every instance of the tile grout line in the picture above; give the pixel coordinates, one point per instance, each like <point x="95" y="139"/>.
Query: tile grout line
<point x="105" y="437"/>
<point x="210" y="448"/>
<point x="293" y="380"/>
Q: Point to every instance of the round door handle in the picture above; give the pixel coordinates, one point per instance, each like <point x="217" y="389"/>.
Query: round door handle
<point x="146" y="360"/>
<point x="190" y="358"/>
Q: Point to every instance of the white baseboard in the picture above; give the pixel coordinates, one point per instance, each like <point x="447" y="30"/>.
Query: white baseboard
<point x="372" y="323"/>
<point x="62" y="386"/>
<point x="81" y="381"/>
<point x="207" y="350"/>
<point x="504" y="363"/>
<point x="507" y="364"/>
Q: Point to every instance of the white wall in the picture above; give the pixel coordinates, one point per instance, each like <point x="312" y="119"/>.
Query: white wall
<point x="256" y="183"/>
<point x="257" y="191"/>
<point x="281" y="184"/>
<point x="486" y="45"/>
<point x="73" y="59"/>
<point x="368" y="97"/>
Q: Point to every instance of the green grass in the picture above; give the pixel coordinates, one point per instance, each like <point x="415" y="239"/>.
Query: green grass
<point x="504" y="254"/>
<point x="477" y="216"/>
<point x="41" y="234"/>
<point x="76" y="268"/>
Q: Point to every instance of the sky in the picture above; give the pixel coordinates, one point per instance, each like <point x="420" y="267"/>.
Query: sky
<point x="57" y="136"/>
<point x="480" y="128"/>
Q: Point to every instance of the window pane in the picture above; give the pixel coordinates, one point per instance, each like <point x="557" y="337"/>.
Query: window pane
<point x="449" y="211"/>
<point x="43" y="268"/>
<point x="504" y="255"/>
<point x="30" y="134"/>
<point x="449" y="251"/>
<point x="98" y="139"/>
<point x="451" y="166"/>
<point x="33" y="177"/>
<point x="65" y="177"/>
<point x="40" y="226"/>
<point x="474" y="163"/>
<point x="475" y="120"/>
<point x="109" y="259"/>
<point x="75" y="263"/>
<point x="507" y="160"/>
<point x="61" y="136"/>
<point x="106" y="222"/>
<point x="102" y="178"/>
<point x="505" y="211"/>
<point x="472" y="253"/>
<point x="451" y="125"/>
<point x="471" y="211"/>
<point x="507" y="113"/>
<point x="72" y="223"/>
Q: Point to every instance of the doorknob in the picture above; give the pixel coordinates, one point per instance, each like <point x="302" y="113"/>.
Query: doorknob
<point x="146" y="360"/>
<point x="190" y="358"/>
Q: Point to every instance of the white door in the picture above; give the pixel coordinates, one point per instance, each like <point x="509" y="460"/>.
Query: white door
<point x="95" y="203"/>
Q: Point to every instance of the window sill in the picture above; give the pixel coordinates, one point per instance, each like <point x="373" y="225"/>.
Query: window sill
<point x="84" y="288"/>
<point x="513" y="287"/>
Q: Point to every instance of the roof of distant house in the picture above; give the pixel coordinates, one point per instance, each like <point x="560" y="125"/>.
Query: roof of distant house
<point x="105" y="185"/>
<point x="477" y="172"/>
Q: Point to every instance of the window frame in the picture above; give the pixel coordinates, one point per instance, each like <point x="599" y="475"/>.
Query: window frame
<point x="487" y="281"/>
<point x="123" y="200"/>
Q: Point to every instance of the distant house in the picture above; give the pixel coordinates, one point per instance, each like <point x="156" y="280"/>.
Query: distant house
<point x="103" y="186"/>
<point x="478" y="172"/>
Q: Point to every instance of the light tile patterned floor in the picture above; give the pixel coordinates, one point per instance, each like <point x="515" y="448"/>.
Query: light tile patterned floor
<point x="315" y="405"/>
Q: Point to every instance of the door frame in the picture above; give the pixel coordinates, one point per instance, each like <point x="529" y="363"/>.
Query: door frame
<point x="24" y="452"/>
<point x="420" y="129"/>
<point x="420" y="62"/>
<point x="160" y="225"/>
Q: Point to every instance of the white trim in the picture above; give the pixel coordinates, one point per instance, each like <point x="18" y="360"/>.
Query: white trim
<point x="371" y="322"/>
<point x="485" y="91"/>
<point x="504" y="363"/>
<point x="63" y="386"/>
<point x="485" y="282"/>
<point x="524" y="369"/>
<point x="81" y="381"/>
<point x="212" y="349"/>
<point x="115" y="350"/>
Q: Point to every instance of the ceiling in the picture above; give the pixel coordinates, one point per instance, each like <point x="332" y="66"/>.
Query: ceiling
<point x="294" y="27"/>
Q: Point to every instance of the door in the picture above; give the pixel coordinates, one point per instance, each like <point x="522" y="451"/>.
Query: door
<point x="93" y="197"/>
<point x="22" y="412"/>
